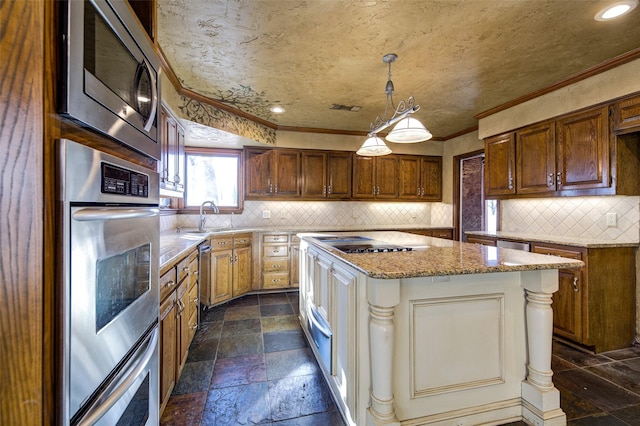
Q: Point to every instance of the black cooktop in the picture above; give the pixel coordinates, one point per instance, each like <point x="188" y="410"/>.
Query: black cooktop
<point x="359" y="244"/>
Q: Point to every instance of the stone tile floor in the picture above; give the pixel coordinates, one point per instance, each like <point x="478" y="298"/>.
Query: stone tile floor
<point x="250" y="363"/>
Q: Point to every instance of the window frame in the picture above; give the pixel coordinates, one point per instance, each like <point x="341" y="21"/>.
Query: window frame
<point x="221" y="152"/>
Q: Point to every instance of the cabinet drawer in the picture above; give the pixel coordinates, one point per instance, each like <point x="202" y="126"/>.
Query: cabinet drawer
<point x="555" y="251"/>
<point x="167" y="283"/>
<point x="480" y="240"/>
<point x="280" y="265"/>
<point x="443" y="233"/>
<point x="275" y="238"/>
<point x="275" y="251"/>
<point x="222" y="243"/>
<point x="241" y="240"/>
<point x="182" y="268"/>
<point x="276" y="280"/>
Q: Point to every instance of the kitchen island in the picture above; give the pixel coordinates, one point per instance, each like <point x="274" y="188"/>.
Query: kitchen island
<point x="422" y="330"/>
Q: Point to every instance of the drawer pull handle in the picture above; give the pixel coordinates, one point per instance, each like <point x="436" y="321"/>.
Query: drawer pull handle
<point x="575" y="284"/>
<point x="170" y="284"/>
<point x="194" y="327"/>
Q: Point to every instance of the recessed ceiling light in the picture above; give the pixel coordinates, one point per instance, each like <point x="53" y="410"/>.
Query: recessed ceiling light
<point x="616" y="9"/>
<point x="277" y="109"/>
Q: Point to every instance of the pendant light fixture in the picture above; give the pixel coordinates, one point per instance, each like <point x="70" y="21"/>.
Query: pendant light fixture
<point x="407" y="129"/>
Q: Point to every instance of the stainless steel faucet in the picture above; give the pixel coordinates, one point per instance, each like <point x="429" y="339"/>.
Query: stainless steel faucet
<point x="203" y="214"/>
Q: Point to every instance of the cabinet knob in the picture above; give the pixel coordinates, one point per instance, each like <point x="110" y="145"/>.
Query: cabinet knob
<point x="170" y="284"/>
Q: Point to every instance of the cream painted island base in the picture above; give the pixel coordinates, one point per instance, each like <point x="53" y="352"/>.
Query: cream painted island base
<point x="433" y="347"/>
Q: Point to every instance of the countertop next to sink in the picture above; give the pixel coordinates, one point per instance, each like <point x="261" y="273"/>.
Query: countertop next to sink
<point x="555" y="239"/>
<point x="439" y="257"/>
<point x="175" y="245"/>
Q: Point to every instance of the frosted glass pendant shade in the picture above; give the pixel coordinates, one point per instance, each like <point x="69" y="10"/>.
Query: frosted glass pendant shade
<point x="409" y="130"/>
<point x="373" y="147"/>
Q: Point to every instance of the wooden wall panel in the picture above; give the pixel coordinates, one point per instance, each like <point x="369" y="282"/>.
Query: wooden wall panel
<point x="21" y="212"/>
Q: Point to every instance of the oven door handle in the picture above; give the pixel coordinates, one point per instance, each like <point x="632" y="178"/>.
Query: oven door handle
<point x="112" y="394"/>
<point x="92" y="214"/>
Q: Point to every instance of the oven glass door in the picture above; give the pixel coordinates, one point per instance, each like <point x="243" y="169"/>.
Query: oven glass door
<point x="131" y="397"/>
<point x="113" y="294"/>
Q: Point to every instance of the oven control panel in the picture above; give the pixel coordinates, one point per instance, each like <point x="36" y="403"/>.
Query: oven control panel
<point x="121" y="181"/>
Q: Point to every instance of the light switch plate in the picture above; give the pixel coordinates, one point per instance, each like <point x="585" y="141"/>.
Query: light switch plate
<point x="612" y="220"/>
<point x="266" y="214"/>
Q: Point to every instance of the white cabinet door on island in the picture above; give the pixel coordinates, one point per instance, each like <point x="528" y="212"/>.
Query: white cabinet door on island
<point x="447" y="333"/>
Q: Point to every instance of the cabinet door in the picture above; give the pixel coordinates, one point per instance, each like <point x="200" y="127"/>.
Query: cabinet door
<point x="567" y="305"/>
<point x="314" y="175"/>
<point x="182" y="325"/>
<point x="163" y="164"/>
<point x="221" y="275"/>
<point x="431" y="179"/>
<point x="626" y="115"/>
<point x="193" y="307"/>
<point x="409" y="174"/>
<point x="170" y="134"/>
<point x="286" y="182"/>
<point x="258" y="165"/>
<point x="339" y="174"/>
<point x="499" y="165"/>
<point x="387" y="177"/>
<point x="179" y="166"/>
<point x="343" y="325"/>
<point x="168" y="348"/>
<point x="241" y="270"/>
<point x="536" y="151"/>
<point x="294" y="260"/>
<point x="583" y="150"/>
<point x="363" y="177"/>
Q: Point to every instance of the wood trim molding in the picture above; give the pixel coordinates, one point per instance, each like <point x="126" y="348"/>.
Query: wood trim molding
<point x="575" y="78"/>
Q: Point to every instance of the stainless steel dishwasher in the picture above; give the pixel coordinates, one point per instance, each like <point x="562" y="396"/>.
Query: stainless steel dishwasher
<point x="513" y="245"/>
<point x="204" y="272"/>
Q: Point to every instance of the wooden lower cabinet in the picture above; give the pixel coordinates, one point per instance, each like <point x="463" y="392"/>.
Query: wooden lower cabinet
<point x="595" y="305"/>
<point x="445" y="233"/>
<point x="473" y="239"/>
<point x="168" y="350"/>
<point x="178" y="320"/>
<point x="279" y="260"/>
<point x="231" y="268"/>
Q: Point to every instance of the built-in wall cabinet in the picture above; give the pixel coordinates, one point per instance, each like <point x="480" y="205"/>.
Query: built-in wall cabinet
<point x="575" y="154"/>
<point x="294" y="174"/>
<point x="626" y="115"/>
<point x="171" y="165"/>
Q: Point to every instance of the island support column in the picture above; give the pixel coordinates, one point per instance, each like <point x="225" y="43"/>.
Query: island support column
<point x="382" y="296"/>
<point x="541" y="400"/>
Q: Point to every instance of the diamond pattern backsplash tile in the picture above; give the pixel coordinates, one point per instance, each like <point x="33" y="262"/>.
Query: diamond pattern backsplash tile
<point x="574" y="217"/>
<point x="320" y="213"/>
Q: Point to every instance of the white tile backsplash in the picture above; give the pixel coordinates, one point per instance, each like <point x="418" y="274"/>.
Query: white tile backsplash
<point x="574" y="217"/>
<point x="328" y="213"/>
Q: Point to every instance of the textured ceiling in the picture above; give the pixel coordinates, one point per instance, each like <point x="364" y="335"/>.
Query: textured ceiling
<point x="457" y="58"/>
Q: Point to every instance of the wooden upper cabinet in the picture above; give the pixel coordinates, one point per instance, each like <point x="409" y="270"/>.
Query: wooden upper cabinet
<point x="314" y="174"/>
<point x="375" y="177"/>
<point x="171" y="164"/>
<point x="272" y="173"/>
<point x="386" y="177"/>
<point x="536" y="153"/>
<point x="626" y="115"/>
<point x="339" y="174"/>
<point x="326" y="174"/>
<point x="286" y="182"/>
<point x="499" y="165"/>
<point x="582" y="150"/>
<point x="420" y="178"/>
<point x="364" y="178"/>
<point x="257" y="169"/>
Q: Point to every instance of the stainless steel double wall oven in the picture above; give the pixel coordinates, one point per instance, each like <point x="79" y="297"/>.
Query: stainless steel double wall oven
<point x="110" y="293"/>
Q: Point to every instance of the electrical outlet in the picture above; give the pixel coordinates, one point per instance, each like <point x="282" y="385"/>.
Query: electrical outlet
<point x="283" y="214"/>
<point x="612" y="220"/>
<point x="266" y="214"/>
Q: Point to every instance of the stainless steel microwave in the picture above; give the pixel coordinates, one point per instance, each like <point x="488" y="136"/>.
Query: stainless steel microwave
<point x="111" y="74"/>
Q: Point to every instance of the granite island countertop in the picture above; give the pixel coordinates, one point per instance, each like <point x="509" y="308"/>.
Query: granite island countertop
<point x="175" y="245"/>
<point x="437" y="257"/>
<point x="583" y="242"/>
